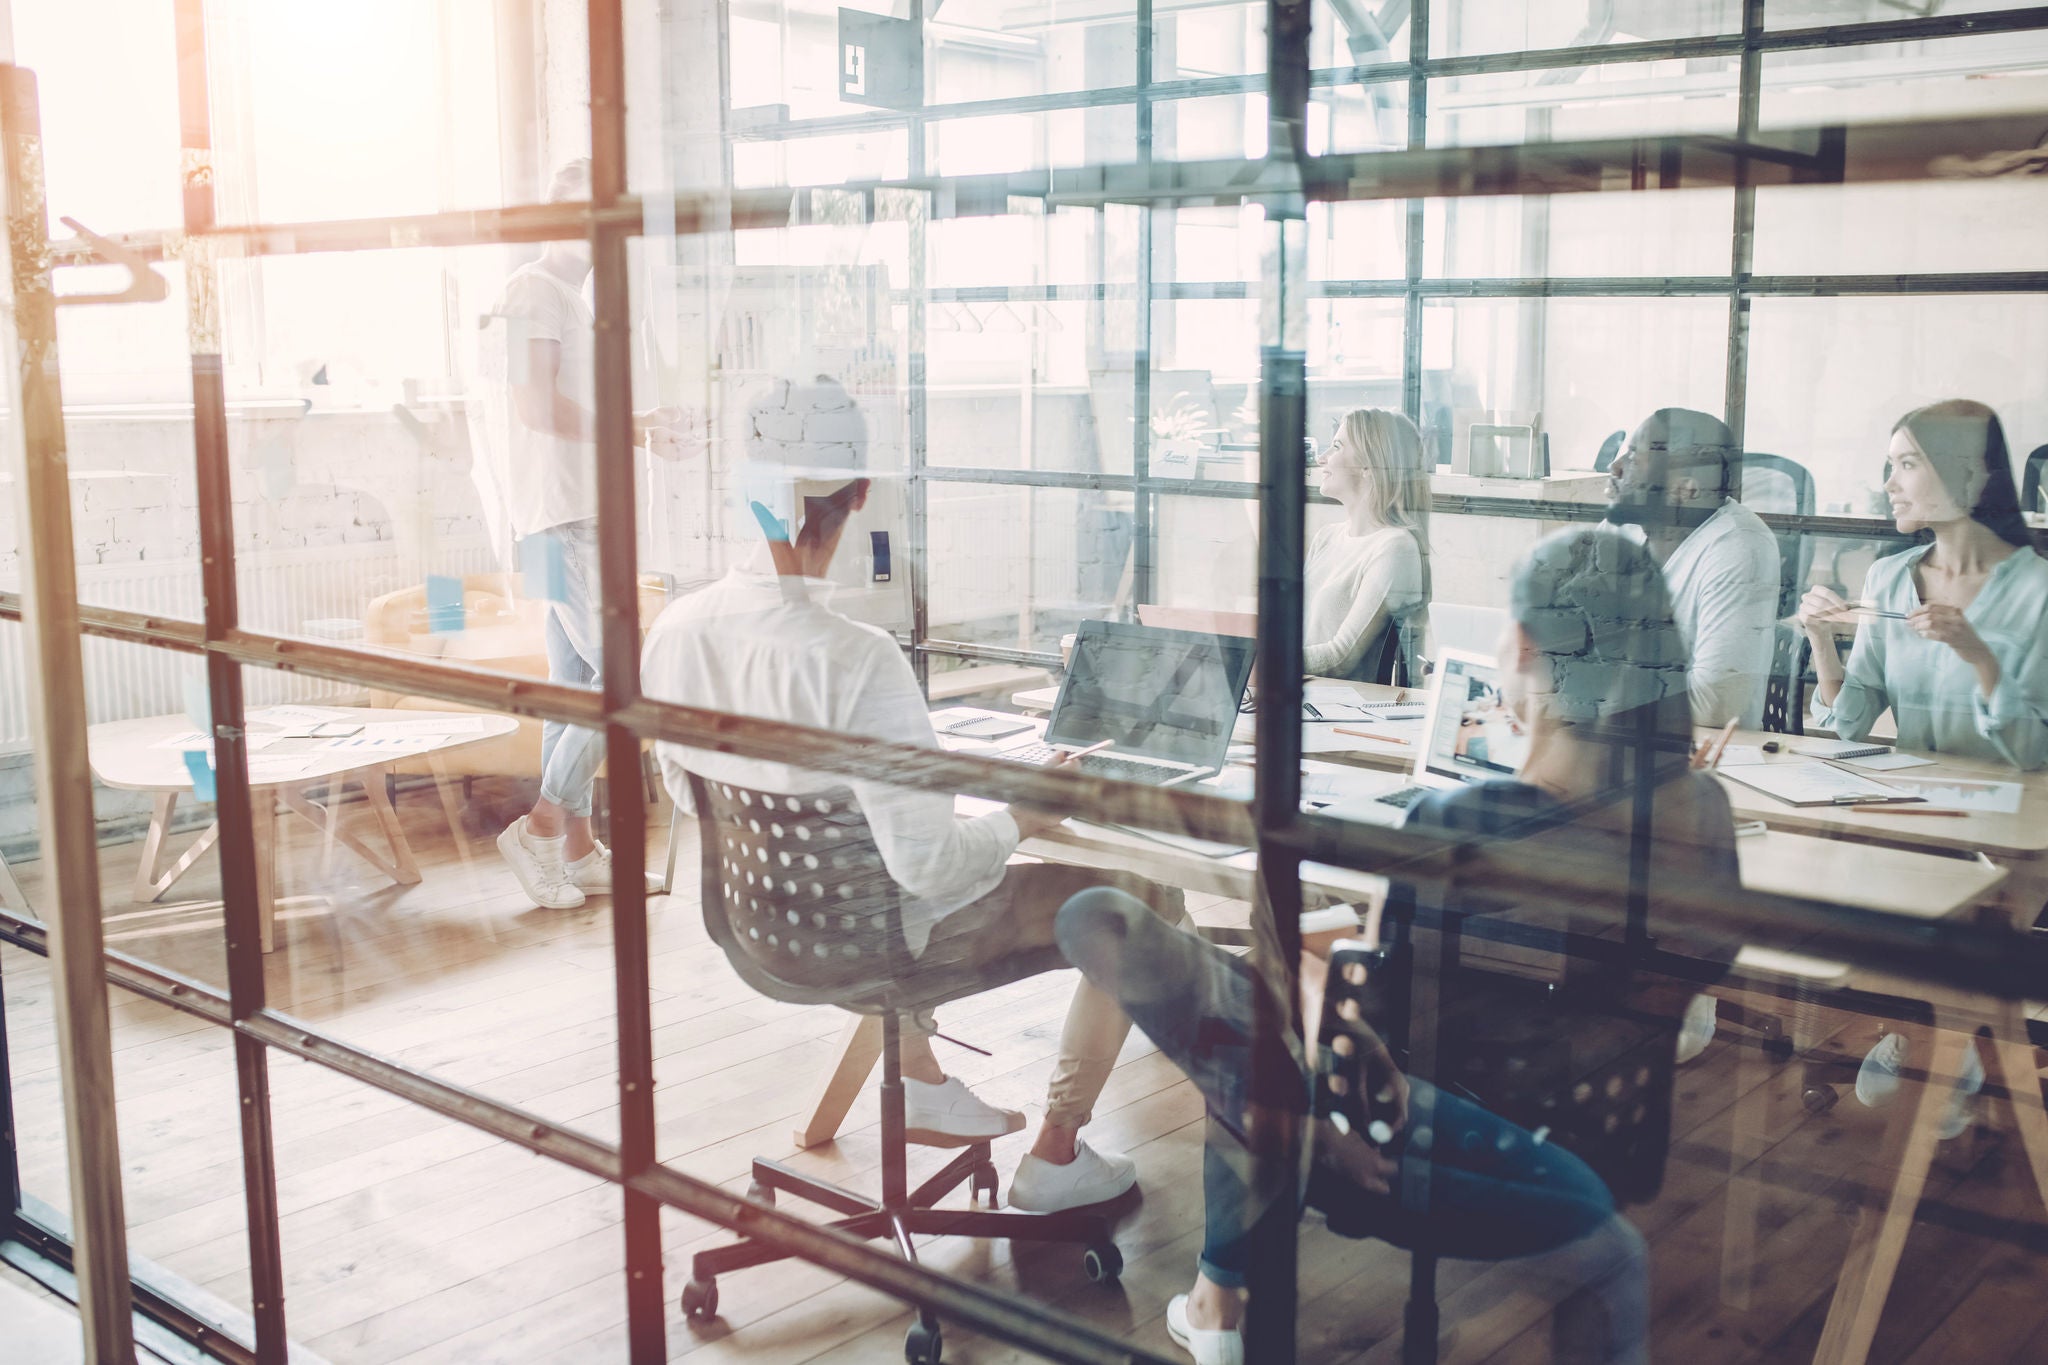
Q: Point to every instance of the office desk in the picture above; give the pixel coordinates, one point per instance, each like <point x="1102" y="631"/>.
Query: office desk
<point x="2021" y="836"/>
<point x="1319" y="740"/>
<point x="140" y="756"/>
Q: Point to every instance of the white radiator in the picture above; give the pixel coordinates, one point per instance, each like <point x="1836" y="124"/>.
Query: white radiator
<point x="279" y="592"/>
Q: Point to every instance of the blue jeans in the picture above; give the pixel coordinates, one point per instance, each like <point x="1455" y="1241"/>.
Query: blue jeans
<point x="570" y="755"/>
<point x="1492" y="1191"/>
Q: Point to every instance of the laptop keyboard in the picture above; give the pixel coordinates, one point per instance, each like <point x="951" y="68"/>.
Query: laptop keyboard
<point x="1098" y="765"/>
<point x="1404" y="798"/>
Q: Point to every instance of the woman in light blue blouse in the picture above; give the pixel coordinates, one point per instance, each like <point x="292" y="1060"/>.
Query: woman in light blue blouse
<point x="1954" y="632"/>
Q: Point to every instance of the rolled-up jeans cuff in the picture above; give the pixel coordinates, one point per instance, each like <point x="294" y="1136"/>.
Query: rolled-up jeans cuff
<point x="579" y="807"/>
<point x="1218" y="1276"/>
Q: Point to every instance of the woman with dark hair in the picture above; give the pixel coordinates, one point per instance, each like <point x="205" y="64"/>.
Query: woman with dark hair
<point x="1953" y="634"/>
<point x="1593" y="667"/>
<point x="1953" y="638"/>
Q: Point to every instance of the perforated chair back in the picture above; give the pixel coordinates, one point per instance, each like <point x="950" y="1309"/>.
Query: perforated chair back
<point x="1772" y="483"/>
<point x="797" y="895"/>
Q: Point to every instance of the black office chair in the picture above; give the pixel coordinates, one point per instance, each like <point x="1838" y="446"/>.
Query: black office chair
<point x="1772" y="483"/>
<point x="1572" y="1057"/>
<point x="796" y="894"/>
<point x="1609" y="448"/>
<point x="1785" y="689"/>
<point x="1387" y="662"/>
<point x="2030" y="480"/>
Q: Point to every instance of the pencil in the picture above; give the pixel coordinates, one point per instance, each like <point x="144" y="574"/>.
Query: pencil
<point x="1895" y="808"/>
<point x="1078" y="754"/>
<point x="1727" y="733"/>
<point x="1368" y="734"/>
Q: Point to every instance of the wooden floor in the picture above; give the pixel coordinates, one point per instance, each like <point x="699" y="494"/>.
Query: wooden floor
<point x="409" y="1238"/>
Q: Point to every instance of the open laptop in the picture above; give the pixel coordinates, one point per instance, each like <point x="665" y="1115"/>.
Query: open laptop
<point x="1166" y="698"/>
<point x="1468" y="736"/>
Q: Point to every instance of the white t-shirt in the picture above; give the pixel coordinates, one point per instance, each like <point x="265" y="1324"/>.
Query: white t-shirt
<point x="1352" y="584"/>
<point x="745" y="645"/>
<point x="545" y="479"/>
<point x="1724" y="592"/>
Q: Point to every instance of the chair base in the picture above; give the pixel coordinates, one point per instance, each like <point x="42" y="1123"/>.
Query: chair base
<point x="919" y="1215"/>
<point x="916" y="1215"/>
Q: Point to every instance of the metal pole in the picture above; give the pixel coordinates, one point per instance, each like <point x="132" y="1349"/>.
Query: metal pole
<point x="235" y="807"/>
<point x="1144" y="494"/>
<point x="619" y="573"/>
<point x="55" y="683"/>
<point x="1742" y="251"/>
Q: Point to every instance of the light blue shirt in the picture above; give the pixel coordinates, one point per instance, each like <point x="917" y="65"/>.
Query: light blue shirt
<point x="1933" y="695"/>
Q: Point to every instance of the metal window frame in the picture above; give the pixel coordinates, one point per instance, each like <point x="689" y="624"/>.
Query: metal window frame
<point x="1986" y="961"/>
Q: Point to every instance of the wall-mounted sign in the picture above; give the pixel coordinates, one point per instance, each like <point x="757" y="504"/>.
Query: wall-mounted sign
<point x="881" y="60"/>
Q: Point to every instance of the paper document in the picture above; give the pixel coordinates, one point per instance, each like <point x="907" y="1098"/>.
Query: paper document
<point x="1741" y="755"/>
<point x="1885" y="763"/>
<point x="438" y="728"/>
<point x="194" y="739"/>
<point x="1813" y="784"/>
<point x="372" y="744"/>
<point x="1959" y="793"/>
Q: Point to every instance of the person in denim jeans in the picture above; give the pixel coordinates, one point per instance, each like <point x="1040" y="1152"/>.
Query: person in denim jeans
<point x="548" y="484"/>
<point x="1592" y="665"/>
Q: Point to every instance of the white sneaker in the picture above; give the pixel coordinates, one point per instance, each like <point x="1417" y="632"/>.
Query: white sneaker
<point x="1877" y="1083"/>
<point x="1877" y="1080"/>
<point x="1962" y="1105"/>
<point x="1208" y="1348"/>
<point x="537" y="863"/>
<point x="593" y="871"/>
<point x="1090" y="1178"/>
<point x="1697" y="1028"/>
<point x="951" y="1115"/>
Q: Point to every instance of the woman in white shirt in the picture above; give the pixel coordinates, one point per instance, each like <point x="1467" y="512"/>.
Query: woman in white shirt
<point x="1370" y="570"/>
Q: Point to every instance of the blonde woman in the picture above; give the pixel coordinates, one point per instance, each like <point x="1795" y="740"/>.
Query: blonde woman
<point x="1369" y="571"/>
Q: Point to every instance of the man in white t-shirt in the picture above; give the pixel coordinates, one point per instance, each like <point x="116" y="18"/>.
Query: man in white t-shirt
<point x="548" y="483"/>
<point x="764" y="642"/>
<point x="1677" y="482"/>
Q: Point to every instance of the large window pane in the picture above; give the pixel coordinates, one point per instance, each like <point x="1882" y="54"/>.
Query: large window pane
<point x="1584" y="367"/>
<point x="1460" y="28"/>
<point x="1829" y="377"/>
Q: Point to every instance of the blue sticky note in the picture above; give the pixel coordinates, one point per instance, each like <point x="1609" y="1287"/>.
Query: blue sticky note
<point x="540" y="561"/>
<point x="444" y="603"/>
<point x="772" y="526"/>
<point x="201" y="768"/>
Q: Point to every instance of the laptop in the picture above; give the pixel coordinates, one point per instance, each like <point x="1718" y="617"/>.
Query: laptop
<point x="1468" y="735"/>
<point x="1167" y="699"/>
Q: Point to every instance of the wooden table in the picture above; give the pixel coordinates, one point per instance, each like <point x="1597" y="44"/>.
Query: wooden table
<point x="131" y="755"/>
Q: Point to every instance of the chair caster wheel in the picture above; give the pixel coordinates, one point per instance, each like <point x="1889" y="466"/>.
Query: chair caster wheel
<point x="761" y="1194"/>
<point x="984" y="1182"/>
<point x="922" y="1344"/>
<point x="1102" y="1264"/>
<point x="1818" y="1099"/>
<point x="700" y="1300"/>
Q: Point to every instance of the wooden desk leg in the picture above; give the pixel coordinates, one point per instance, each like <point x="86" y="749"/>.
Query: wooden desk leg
<point x="2013" y="1054"/>
<point x="10" y="889"/>
<point x="146" y="888"/>
<point x="1880" y="1237"/>
<point x="1751" y="1120"/>
<point x="151" y="885"/>
<point x="450" y="807"/>
<point x="264" y="810"/>
<point x="408" y="871"/>
<point x="860" y="1047"/>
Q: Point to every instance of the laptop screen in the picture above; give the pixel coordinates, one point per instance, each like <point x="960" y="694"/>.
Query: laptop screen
<point x="1169" y="694"/>
<point x="1472" y="735"/>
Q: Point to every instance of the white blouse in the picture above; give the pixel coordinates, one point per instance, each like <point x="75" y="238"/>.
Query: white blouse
<point x="1352" y="585"/>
